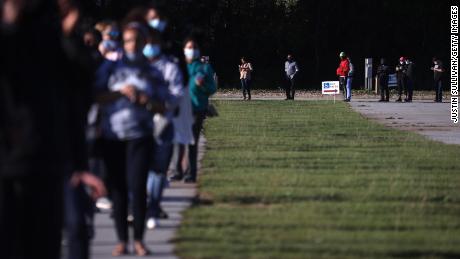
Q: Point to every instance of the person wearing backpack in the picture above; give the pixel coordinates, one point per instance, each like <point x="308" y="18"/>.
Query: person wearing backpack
<point x="201" y="85"/>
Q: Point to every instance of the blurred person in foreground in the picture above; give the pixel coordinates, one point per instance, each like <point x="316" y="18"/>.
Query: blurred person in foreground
<point x="130" y="92"/>
<point x="42" y="143"/>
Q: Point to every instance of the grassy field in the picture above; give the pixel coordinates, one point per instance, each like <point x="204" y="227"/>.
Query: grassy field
<point x="316" y="180"/>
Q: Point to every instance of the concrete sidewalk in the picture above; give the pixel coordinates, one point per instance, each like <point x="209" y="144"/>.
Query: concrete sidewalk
<point x="424" y="117"/>
<point x="178" y="197"/>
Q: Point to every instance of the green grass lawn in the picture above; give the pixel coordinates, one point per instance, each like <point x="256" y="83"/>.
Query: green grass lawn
<point x="317" y="180"/>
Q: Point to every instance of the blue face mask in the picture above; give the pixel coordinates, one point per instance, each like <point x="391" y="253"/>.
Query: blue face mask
<point x="151" y="50"/>
<point x="158" y="24"/>
<point x="191" y="53"/>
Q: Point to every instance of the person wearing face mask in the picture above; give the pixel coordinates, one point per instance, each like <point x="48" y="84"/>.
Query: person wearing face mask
<point x="109" y="47"/>
<point x="383" y="72"/>
<point x="130" y="91"/>
<point x="410" y="79"/>
<point x="401" y="76"/>
<point x="178" y="129"/>
<point x="201" y="86"/>
<point x="291" y="69"/>
<point x="438" y="72"/>
<point x="155" y="20"/>
<point x="342" y="72"/>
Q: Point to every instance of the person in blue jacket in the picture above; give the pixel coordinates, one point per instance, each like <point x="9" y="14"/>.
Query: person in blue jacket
<point x="201" y="85"/>
<point x="130" y="92"/>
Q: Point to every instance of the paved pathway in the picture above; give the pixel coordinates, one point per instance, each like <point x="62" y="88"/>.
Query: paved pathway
<point x="177" y="198"/>
<point x="424" y="117"/>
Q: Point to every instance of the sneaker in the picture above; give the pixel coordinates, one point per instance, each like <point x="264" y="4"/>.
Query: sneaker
<point x="151" y="223"/>
<point x="130" y="218"/>
<point x="381" y="100"/>
<point x="103" y="204"/>
<point x="399" y="100"/>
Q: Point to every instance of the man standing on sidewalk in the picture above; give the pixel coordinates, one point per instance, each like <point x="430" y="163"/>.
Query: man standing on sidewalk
<point x="291" y="69"/>
<point x="401" y="70"/>
<point x="383" y="71"/>
<point x="342" y="72"/>
<point x="438" y="70"/>
<point x="410" y="79"/>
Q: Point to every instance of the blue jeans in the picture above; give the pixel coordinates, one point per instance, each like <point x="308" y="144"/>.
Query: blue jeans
<point x="246" y="87"/>
<point x="156" y="181"/>
<point x="349" y="82"/>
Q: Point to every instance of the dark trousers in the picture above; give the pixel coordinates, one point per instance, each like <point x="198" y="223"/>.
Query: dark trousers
<point x="409" y="89"/>
<point x="31" y="217"/>
<point x="438" y="89"/>
<point x="193" y="149"/>
<point x="290" y="87"/>
<point x="246" y="87"/>
<point x="343" y="85"/>
<point x="162" y="154"/>
<point x="78" y="218"/>
<point x="401" y="85"/>
<point x="384" y="90"/>
<point x="127" y="164"/>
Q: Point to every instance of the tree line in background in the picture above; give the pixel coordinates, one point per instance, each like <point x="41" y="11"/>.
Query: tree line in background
<point x="315" y="32"/>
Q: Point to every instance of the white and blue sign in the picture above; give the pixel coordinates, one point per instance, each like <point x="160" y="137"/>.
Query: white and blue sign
<point x="331" y="87"/>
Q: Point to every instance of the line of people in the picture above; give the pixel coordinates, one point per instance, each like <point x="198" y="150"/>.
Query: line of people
<point x="405" y="75"/>
<point x="113" y="93"/>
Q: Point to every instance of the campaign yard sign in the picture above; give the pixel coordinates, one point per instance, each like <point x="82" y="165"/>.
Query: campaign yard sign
<point x="331" y="87"/>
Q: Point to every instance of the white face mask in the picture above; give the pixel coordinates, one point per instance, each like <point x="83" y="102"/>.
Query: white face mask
<point x="157" y="24"/>
<point x="191" y="54"/>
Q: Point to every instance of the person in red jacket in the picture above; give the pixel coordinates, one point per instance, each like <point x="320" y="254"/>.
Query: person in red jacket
<point x="342" y="72"/>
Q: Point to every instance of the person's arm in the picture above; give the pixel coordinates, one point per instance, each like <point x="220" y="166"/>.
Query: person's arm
<point x="296" y="69"/>
<point x="101" y="92"/>
<point x="175" y="80"/>
<point x="210" y="86"/>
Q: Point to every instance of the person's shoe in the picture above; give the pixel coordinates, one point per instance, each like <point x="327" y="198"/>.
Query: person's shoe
<point x="189" y="179"/>
<point x="162" y="214"/>
<point x="399" y="100"/>
<point x="287" y="99"/>
<point x="381" y="100"/>
<point x="120" y="249"/>
<point x="387" y="100"/>
<point x="103" y="204"/>
<point x="244" y="98"/>
<point x="408" y="100"/>
<point x="176" y="177"/>
<point x="151" y="223"/>
<point x="140" y="249"/>
<point x="130" y="218"/>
